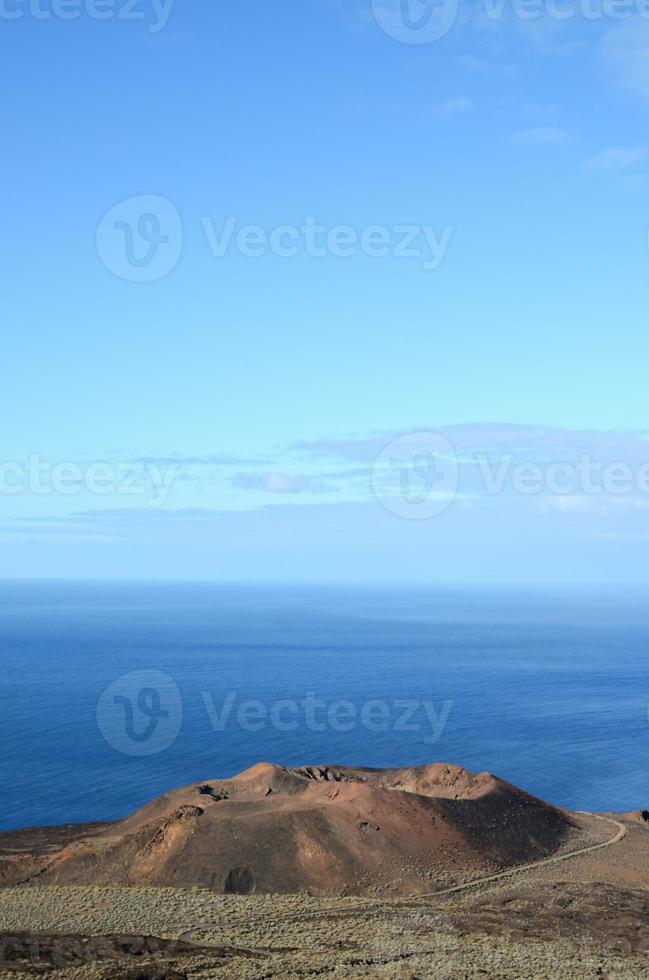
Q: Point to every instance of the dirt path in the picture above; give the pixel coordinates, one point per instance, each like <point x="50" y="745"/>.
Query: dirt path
<point x="335" y="911"/>
<point x="619" y="835"/>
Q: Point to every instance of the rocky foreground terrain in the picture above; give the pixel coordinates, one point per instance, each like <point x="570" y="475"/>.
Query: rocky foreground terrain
<point x="325" y="871"/>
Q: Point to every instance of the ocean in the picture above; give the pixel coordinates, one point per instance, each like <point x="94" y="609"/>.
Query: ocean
<point x="111" y="694"/>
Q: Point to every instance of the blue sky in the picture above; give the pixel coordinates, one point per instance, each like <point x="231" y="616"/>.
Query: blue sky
<point x="264" y="387"/>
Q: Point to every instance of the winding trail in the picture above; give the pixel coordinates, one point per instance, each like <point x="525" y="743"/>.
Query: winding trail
<point x="413" y="901"/>
<point x="620" y="834"/>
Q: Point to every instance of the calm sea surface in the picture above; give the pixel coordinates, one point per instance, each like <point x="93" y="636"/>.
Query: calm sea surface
<point x="111" y="694"/>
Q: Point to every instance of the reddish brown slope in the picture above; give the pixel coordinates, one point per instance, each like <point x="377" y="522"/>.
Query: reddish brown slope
<point x="322" y="829"/>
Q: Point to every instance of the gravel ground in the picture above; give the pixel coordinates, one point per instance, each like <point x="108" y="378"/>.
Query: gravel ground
<point x="291" y="936"/>
<point x="585" y="917"/>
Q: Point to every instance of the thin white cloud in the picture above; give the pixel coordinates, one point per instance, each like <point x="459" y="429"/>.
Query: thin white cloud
<point x="280" y="483"/>
<point x="563" y="470"/>
<point x="617" y="159"/>
<point x="454" y="107"/>
<point x="596" y="506"/>
<point x="469" y="62"/>
<point x="573" y="504"/>
<point x="541" y="135"/>
<point x="497" y="437"/>
<point x="626" y="51"/>
<point x="206" y="460"/>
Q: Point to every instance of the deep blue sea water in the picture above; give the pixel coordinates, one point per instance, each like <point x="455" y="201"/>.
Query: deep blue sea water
<point x="112" y="694"/>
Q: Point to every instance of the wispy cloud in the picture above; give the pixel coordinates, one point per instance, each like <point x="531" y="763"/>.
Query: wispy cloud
<point x="626" y="51"/>
<point x="498" y="437"/>
<point x="541" y="135"/>
<point x="538" y="468"/>
<point x="281" y="483"/>
<point x="207" y="460"/>
<point x="617" y="159"/>
<point x="300" y="483"/>
<point x="454" y="107"/>
<point x="115" y="521"/>
<point x="593" y="506"/>
<point x="355" y="14"/>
